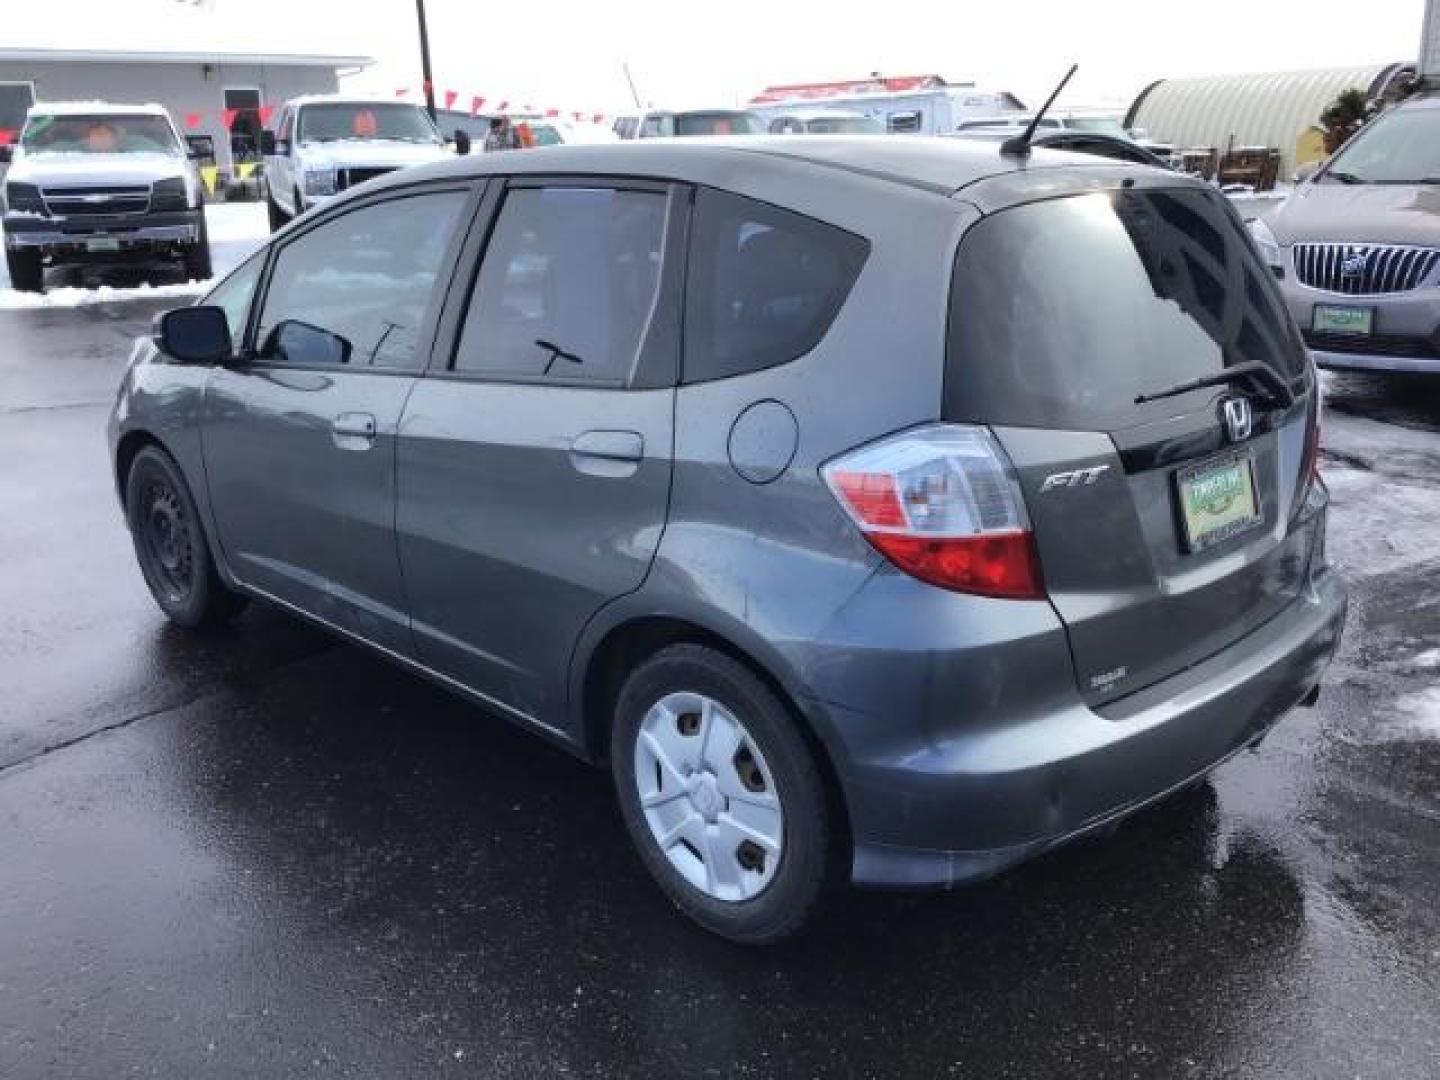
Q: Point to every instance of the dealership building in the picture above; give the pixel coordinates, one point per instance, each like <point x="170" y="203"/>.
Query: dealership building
<point x="203" y="90"/>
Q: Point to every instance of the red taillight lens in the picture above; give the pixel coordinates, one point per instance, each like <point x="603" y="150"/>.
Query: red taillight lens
<point x="1310" y="456"/>
<point x="1004" y="565"/>
<point x="943" y="505"/>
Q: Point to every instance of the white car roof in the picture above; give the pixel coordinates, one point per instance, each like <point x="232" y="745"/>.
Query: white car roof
<point x="806" y="115"/>
<point x="94" y="108"/>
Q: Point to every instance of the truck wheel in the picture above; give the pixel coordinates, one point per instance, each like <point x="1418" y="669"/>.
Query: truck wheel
<point x="278" y="218"/>
<point x="27" y="269"/>
<point x="722" y="795"/>
<point x="170" y="544"/>
<point x="197" y="257"/>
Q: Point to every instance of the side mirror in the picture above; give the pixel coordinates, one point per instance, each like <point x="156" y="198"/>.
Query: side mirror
<point x="1305" y="173"/>
<point x="267" y="142"/>
<point x="7" y="154"/>
<point x="194" y="335"/>
<point x="295" y="342"/>
<point x="462" y="142"/>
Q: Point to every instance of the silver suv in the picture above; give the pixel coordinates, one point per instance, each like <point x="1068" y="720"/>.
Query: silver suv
<point x="1358" y="247"/>
<point x="890" y="512"/>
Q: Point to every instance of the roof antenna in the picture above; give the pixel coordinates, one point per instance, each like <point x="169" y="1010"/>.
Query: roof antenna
<point x="1019" y="146"/>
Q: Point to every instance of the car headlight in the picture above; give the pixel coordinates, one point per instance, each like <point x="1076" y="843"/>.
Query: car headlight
<point x="170" y="194"/>
<point x="1268" y="246"/>
<point x="23" y="198"/>
<point x="319" y="181"/>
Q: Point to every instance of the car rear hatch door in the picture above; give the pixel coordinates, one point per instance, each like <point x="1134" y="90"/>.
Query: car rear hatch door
<point x="1165" y="526"/>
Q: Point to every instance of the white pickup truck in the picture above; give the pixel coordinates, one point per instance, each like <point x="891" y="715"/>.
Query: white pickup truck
<point x="325" y="144"/>
<point x="94" y="182"/>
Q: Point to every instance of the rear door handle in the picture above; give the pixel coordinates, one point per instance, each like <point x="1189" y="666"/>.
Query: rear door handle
<point x="608" y="453"/>
<point x="353" y="430"/>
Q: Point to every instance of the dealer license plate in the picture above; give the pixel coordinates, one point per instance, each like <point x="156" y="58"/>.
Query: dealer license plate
<point x="102" y="243"/>
<point x="1217" y="500"/>
<point x="1330" y="319"/>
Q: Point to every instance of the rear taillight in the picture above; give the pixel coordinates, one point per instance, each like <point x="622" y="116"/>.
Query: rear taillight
<point x="942" y="504"/>
<point x="1310" y="457"/>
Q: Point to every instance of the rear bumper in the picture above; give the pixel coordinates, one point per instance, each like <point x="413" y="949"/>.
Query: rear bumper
<point x="970" y="805"/>
<point x="72" y="235"/>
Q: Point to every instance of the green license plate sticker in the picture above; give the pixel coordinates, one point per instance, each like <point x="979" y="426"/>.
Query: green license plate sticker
<point x="1329" y="319"/>
<point x="1217" y="500"/>
<point x="102" y="243"/>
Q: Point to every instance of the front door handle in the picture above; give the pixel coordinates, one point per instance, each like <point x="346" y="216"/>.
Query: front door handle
<point x="608" y="453"/>
<point x="353" y="431"/>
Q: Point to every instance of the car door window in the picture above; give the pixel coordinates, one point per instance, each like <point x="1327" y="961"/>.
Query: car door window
<point x="763" y="285"/>
<point x="364" y="281"/>
<point x="568" y="286"/>
<point x="233" y="296"/>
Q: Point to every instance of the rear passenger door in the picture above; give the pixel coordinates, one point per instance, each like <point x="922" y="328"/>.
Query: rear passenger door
<point x="534" y="460"/>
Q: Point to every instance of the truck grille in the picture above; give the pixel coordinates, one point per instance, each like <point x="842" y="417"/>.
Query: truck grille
<point x="1363" y="269"/>
<point x="97" y="201"/>
<point x="350" y="177"/>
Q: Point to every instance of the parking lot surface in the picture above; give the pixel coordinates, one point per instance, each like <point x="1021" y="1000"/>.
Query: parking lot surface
<point x="262" y="852"/>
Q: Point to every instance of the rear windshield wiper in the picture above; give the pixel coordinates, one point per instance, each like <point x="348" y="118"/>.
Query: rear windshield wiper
<point x="1277" y="389"/>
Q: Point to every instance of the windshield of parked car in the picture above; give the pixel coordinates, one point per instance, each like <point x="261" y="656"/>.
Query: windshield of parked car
<point x="333" y="123"/>
<point x="844" y="125"/>
<point x="543" y="134"/>
<point x="1100" y="125"/>
<point x="718" y="123"/>
<point x="102" y="133"/>
<point x="1401" y="147"/>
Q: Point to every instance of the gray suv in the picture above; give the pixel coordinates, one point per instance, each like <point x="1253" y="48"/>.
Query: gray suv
<point x="1358" y="247"/>
<point x="884" y="511"/>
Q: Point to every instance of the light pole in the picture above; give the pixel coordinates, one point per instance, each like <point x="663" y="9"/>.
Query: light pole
<point x="429" y="83"/>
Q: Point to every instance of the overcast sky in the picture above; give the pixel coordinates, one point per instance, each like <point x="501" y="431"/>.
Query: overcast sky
<point x="568" y="53"/>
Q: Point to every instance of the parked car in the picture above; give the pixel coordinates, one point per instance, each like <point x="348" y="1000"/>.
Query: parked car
<point x="324" y="144"/>
<point x="825" y="122"/>
<point x="1076" y="142"/>
<point x="663" y="124"/>
<point x="551" y="131"/>
<point x="916" y="106"/>
<point x="1358" y="246"/>
<point x="1107" y="127"/>
<point x="93" y="182"/>
<point x="908" y="622"/>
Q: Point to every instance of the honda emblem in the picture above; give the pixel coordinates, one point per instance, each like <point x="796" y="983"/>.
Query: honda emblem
<point x="1238" y="418"/>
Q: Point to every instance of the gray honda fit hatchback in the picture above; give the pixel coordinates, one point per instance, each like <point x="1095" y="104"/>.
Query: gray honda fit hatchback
<point x="888" y="510"/>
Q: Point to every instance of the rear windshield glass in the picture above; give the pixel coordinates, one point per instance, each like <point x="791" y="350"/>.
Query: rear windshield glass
<point x="1063" y="311"/>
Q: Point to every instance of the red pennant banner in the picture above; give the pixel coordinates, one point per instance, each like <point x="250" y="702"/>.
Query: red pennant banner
<point x="476" y="104"/>
<point x="192" y="120"/>
<point x="552" y="112"/>
<point x="598" y="118"/>
<point x="266" y="112"/>
<point x="401" y="91"/>
<point x="227" y="117"/>
<point x="451" y="96"/>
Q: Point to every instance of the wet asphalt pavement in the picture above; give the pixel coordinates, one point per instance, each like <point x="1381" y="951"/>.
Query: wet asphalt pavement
<point x="266" y="853"/>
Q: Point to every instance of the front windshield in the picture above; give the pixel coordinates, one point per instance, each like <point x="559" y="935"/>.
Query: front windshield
<point x="101" y="133"/>
<point x="1401" y="147"/>
<point x="1101" y="125"/>
<point x="330" y="123"/>
<point x="844" y="125"/>
<point x="718" y="123"/>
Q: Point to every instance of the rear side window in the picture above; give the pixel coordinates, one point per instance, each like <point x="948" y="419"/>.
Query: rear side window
<point x="568" y="286"/>
<point x="1063" y="311"/>
<point x="764" y="284"/>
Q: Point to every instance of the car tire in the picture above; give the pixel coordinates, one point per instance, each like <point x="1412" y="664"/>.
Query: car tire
<point x="27" y="269"/>
<point x="171" y="546"/>
<point x="198" y="266"/>
<point x="715" y="873"/>
<point x="278" y="218"/>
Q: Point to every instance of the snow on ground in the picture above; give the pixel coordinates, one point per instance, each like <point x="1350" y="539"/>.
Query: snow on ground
<point x="236" y="229"/>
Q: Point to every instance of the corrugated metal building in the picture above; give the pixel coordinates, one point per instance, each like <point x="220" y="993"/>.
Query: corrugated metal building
<point x="1271" y="109"/>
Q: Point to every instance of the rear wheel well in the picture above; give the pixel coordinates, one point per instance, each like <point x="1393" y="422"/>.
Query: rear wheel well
<point x="131" y="443"/>
<point x="630" y="644"/>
